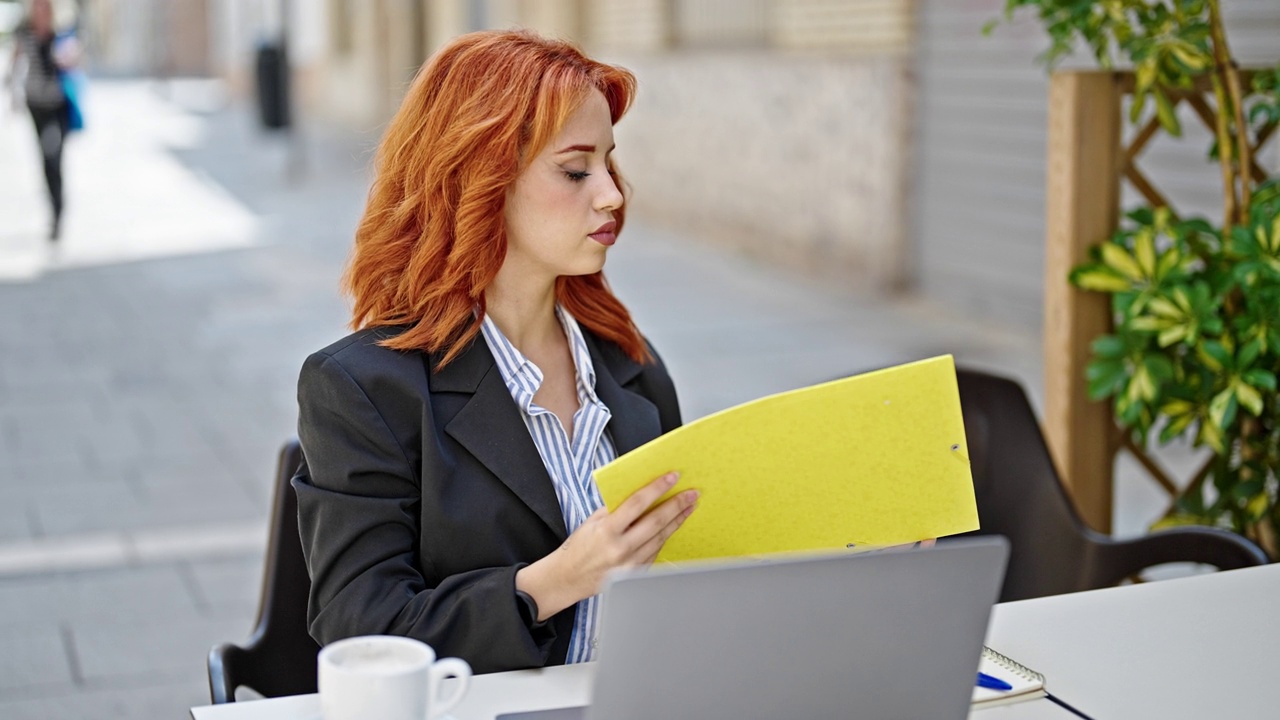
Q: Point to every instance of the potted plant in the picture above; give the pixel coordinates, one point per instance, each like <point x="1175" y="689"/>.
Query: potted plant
<point x="1195" y="350"/>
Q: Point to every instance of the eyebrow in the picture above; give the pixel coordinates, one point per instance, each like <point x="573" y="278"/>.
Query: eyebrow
<point x="582" y="148"/>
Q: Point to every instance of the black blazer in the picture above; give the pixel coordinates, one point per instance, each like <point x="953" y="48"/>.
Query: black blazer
<point x="422" y="494"/>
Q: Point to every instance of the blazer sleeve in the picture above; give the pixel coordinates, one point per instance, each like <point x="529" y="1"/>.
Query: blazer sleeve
<point x="358" y="514"/>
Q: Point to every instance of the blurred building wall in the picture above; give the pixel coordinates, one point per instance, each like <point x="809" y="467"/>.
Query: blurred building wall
<point x="372" y="50"/>
<point x="240" y="27"/>
<point x="160" y="38"/>
<point x="778" y="127"/>
<point x="977" y="225"/>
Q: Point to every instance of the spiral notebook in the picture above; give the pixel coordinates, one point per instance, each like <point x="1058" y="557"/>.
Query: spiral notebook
<point x="1027" y="683"/>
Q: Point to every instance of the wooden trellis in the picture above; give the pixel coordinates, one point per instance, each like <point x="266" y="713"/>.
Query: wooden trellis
<point x="1086" y="164"/>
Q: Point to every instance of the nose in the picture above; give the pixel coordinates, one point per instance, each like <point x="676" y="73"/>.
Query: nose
<point x="609" y="197"/>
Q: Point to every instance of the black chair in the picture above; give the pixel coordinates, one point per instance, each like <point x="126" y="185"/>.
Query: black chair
<point x="280" y="657"/>
<point x="1020" y="496"/>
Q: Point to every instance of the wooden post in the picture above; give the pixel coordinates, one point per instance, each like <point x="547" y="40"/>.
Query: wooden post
<point x="1082" y="207"/>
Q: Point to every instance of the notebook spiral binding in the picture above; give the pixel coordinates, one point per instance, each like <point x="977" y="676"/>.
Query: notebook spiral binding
<point x="1012" y="665"/>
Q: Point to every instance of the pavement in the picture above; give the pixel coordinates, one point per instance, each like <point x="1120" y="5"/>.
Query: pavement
<point x="148" y="363"/>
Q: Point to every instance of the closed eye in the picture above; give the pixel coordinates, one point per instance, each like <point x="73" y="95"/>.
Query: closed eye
<point x="577" y="176"/>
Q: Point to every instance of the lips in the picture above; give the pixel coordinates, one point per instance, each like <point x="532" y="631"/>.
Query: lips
<point x="606" y="233"/>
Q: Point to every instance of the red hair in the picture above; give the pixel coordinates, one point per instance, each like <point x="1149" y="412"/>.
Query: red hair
<point x="432" y="237"/>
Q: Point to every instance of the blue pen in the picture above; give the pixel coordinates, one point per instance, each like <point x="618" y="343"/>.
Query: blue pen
<point x="992" y="683"/>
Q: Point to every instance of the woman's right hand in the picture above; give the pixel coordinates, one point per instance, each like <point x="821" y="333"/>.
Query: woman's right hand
<point x="631" y="535"/>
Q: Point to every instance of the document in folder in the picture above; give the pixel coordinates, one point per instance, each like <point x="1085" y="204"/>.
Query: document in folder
<point x="871" y="460"/>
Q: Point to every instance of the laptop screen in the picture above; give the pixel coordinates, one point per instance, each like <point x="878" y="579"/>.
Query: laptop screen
<point x="886" y="634"/>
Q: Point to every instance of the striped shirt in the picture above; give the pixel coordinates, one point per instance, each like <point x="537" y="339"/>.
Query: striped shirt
<point x="43" y="88"/>
<point x="570" y="464"/>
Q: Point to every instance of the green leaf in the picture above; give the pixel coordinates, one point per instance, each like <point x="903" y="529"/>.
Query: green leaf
<point x="1249" y="398"/>
<point x="1108" y="346"/>
<point x="1172" y="335"/>
<point x="1211" y="435"/>
<point x="1105" y="377"/>
<point x="1215" y="355"/>
<point x="1160" y="367"/>
<point x="1178" y="408"/>
<point x="1176" y="427"/>
<point x="1164" y="308"/>
<point x="1119" y="259"/>
<point x="1141" y="215"/>
<point x="1142" y="386"/>
<point x="1222" y="410"/>
<point x="1099" y="279"/>
<point x="1260" y="378"/>
<point x="1175" y="521"/>
<point x="1248" y="353"/>
<point x="1144" y="251"/>
<point x="1146" y="323"/>
<point x="1189" y="56"/>
<point x="1257" y="507"/>
<point x="1165" y="111"/>
<point x="1169" y="261"/>
<point x="1183" y="302"/>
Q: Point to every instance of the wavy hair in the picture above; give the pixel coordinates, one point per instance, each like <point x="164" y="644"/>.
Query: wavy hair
<point x="432" y="237"/>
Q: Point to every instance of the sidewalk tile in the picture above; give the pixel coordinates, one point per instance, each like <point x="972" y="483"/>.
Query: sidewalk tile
<point x="32" y="658"/>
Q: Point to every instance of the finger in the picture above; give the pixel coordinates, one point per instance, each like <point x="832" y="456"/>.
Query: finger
<point x="640" y="500"/>
<point x="649" y="550"/>
<point x="652" y="522"/>
<point x="652" y="542"/>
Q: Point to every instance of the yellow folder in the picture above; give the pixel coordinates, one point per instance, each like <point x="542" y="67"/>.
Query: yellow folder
<point x="870" y="460"/>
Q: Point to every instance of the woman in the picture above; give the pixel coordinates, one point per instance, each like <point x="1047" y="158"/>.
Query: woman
<point x="447" y="491"/>
<point x="46" y="58"/>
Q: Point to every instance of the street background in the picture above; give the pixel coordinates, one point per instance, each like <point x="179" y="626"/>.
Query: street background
<point x="148" y="363"/>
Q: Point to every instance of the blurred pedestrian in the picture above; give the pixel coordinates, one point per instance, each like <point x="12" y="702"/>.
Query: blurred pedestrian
<point x="46" y="56"/>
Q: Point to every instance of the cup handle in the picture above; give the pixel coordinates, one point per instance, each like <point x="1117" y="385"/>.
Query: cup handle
<point x="441" y="669"/>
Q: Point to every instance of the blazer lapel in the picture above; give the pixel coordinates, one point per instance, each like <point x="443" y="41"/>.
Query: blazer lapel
<point x="634" y="420"/>
<point x="490" y="427"/>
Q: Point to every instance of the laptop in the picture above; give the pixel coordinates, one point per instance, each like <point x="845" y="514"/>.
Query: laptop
<point x="888" y="634"/>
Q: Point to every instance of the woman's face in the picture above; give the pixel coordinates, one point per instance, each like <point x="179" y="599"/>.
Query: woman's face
<point x="559" y="212"/>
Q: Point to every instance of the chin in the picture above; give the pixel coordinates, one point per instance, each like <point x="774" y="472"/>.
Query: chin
<point x="590" y="267"/>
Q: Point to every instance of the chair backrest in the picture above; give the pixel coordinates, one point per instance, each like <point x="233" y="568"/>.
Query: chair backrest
<point x="1018" y="491"/>
<point x="280" y="656"/>
<point x="1021" y="497"/>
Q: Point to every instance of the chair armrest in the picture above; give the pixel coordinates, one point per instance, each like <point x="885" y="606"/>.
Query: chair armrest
<point x="221" y="686"/>
<point x="1119" y="559"/>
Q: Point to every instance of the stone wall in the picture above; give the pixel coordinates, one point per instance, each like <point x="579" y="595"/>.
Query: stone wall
<point x="798" y="159"/>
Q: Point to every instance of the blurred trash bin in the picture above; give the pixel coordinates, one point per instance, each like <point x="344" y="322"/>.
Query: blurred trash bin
<point x="273" y="84"/>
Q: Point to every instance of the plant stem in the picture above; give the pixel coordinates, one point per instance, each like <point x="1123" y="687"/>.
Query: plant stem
<point x="1245" y="167"/>
<point x="1221" y="63"/>
<point x="1265" y="533"/>
<point x="1244" y="153"/>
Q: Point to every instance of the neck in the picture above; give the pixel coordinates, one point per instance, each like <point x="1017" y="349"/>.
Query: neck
<point x="524" y="312"/>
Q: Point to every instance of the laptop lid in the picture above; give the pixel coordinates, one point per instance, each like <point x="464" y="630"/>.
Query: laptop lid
<point x="891" y="634"/>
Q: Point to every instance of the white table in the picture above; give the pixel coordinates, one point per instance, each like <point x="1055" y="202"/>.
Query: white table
<point x="1194" y="647"/>
<point x="1198" y="647"/>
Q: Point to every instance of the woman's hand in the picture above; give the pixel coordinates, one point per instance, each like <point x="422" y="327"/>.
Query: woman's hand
<point x="631" y="535"/>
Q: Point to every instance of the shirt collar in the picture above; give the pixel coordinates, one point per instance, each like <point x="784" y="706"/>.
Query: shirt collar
<point x="523" y="378"/>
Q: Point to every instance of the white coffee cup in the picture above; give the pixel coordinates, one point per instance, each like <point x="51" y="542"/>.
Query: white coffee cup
<point x="388" y="678"/>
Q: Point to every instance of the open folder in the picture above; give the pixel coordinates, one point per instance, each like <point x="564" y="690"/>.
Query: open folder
<point x="871" y="460"/>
